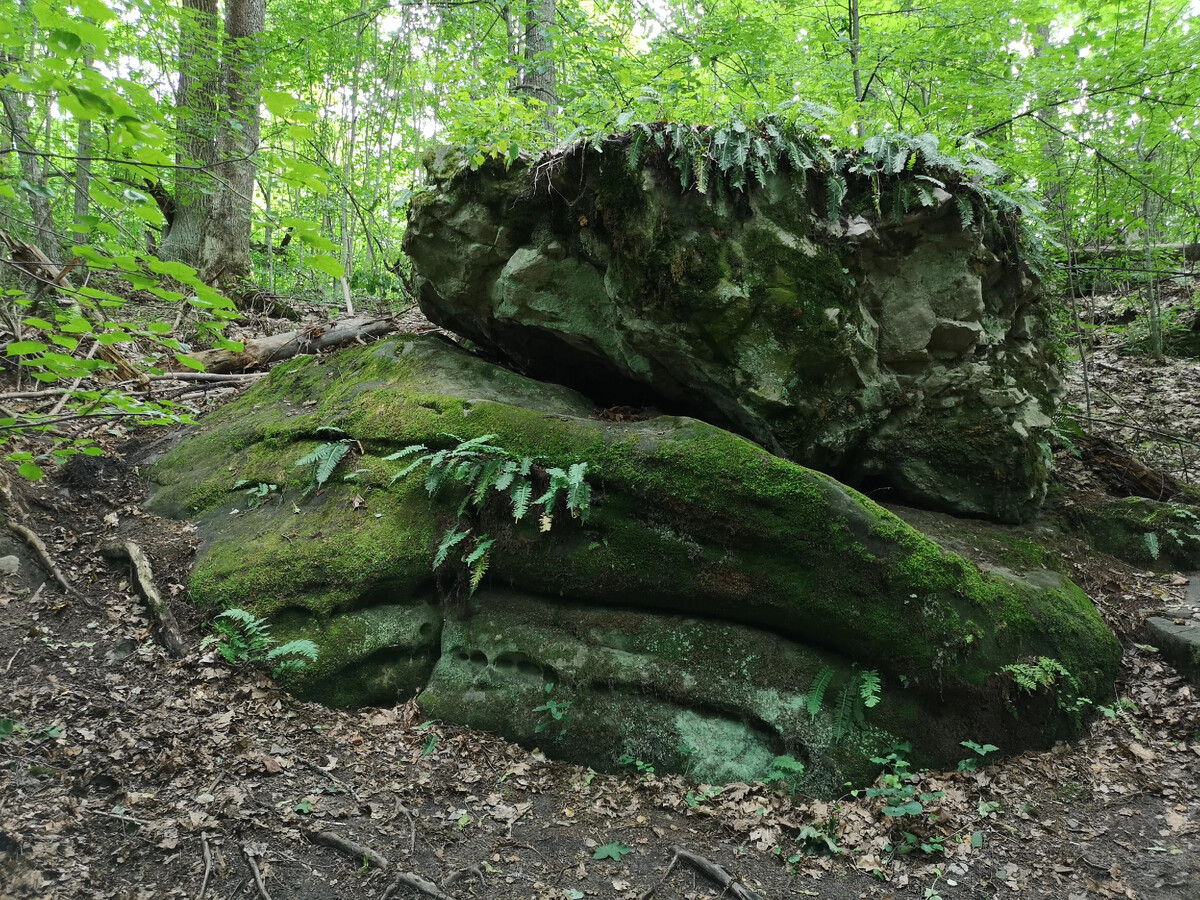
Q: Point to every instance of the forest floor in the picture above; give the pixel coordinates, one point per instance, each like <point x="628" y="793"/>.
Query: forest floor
<point x="125" y="773"/>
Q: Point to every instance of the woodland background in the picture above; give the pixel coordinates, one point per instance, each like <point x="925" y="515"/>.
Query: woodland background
<point x="215" y="157"/>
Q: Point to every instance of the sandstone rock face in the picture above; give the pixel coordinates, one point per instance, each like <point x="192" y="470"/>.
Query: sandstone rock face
<point x="902" y="354"/>
<point x="716" y="610"/>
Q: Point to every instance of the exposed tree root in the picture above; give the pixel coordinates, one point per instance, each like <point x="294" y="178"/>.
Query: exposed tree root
<point x="168" y="626"/>
<point x="729" y="885"/>
<point x="356" y="851"/>
<point x="44" y="558"/>
<point x="417" y="883"/>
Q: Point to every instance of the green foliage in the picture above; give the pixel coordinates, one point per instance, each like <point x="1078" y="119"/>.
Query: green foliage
<point x="615" y="851"/>
<point x="243" y="639"/>
<point x="483" y="472"/>
<point x="785" y="770"/>
<point x="1042" y="673"/>
<point x="553" y="713"/>
<point x="816" y="691"/>
<point x="644" y="769"/>
<point x="980" y="750"/>
<point x="1151" y="541"/>
<point x="1122" y="711"/>
<point x="324" y="458"/>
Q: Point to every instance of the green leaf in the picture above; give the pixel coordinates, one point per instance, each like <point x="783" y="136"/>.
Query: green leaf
<point x="615" y="850"/>
<point x="25" y="348"/>
<point x="278" y="103"/>
<point x="327" y="264"/>
<point x="65" y="42"/>
<point x="191" y="362"/>
<point x="30" y="470"/>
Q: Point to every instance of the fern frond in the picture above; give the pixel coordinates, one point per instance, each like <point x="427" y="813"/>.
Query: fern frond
<point x="520" y="499"/>
<point x="966" y="211"/>
<point x="450" y="540"/>
<point x="869" y="685"/>
<point x="405" y="451"/>
<point x="579" y="492"/>
<point x="505" y="478"/>
<point x="330" y="461"/>
<point x="816" y="691"/>
<point x="835" y="193"/>
<point x="843" y="716"/>
<point x="303" y="647"/>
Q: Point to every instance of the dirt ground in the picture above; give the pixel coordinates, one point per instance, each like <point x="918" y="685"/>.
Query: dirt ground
<point x="126" y="773"/>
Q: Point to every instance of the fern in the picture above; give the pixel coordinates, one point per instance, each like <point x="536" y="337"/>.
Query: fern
<point x="869" y="685"/>
<point x="324" y="459"/>
<point x="835" y="193"/>
<point x="966" y="211"/>
<point x="1151" y="541"/>
<point x="843" y="716"/>
<point x="451" y="539"/>
<point x="481" y="467"/>
<point x="816" y="691"/>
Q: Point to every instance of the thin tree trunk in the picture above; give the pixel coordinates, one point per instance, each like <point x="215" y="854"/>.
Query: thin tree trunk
<point x="195" y="114"/>
<point x="539" y="83"/>
<point x="225" y="251"/>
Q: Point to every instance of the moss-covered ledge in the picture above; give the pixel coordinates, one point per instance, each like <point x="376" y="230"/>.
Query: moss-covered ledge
<point x="688" y="520"/>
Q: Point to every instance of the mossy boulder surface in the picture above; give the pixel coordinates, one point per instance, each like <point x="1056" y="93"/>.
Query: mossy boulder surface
<point x="717" y="608"/>
<point x="900" y="350"/>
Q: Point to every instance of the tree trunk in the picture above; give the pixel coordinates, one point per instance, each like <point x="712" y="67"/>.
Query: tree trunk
<point x="225" y="251"/>
<point x="539" y="64"/>
<point x="195" y="111"/>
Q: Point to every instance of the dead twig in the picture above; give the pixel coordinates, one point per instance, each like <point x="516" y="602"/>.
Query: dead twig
<point x="353" y="849"/>
<point x="207" y="865"/>
<point x="417" y="883"/>
<point x="412" y="825"/>
<point x="719" y="874"/>
<point x="44" y="557"/>
<point x="473" y="870"/>
<point x="258" y="879"/>
<point x="172" y="635"/>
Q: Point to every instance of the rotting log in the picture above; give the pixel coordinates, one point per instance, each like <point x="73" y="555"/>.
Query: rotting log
<point x="260" y="352"/>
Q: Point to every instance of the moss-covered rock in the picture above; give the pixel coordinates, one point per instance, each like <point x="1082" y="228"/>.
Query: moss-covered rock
<point x="1163" y="536"/>
<point x="691" y="619"/>
<point x="899" y="351"/>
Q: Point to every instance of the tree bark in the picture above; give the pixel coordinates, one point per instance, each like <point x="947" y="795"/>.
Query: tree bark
<point x="539" y="83"/>
<point x="225" y="250"/>
<point x="195" y="113"/>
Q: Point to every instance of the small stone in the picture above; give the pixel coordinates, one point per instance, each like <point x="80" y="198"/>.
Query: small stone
<point x="9" y="565"/>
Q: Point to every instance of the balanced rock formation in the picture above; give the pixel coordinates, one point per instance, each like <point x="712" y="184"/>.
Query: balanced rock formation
<point x="719" y="608"/>
<point x="898" y="351"/>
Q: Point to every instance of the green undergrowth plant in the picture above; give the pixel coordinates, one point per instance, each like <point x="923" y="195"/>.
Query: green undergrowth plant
<point x="902" y="171"/>
<point x="787" y="771"/>
<point x="903" y="802"/>
<point x="858" y="694"/>
<point x="244" y="639"/>
<point x="324" y="459"/>
<point x="484" y="472"/>
<point x="553" y="714"/>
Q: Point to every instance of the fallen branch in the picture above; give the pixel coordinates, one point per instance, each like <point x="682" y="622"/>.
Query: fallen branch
<point x="44" y="557"/>
<point x="259" y="352"/>
<point x="207" y="865"/>
<point x="719" y="874"/>
<point x="417" y="883"/>
<point x="352" y="849"/>
<point x="258" y="879"/>
<point x="172" y="635"/>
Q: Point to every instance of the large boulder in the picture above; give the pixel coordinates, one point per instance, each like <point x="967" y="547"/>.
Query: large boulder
<point x="898" y="351"/>
<point x="720" y="606"/>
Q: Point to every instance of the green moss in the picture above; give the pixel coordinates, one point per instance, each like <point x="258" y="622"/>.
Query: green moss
<point x="687" y="518"/>
<point x="1143" y="532"/>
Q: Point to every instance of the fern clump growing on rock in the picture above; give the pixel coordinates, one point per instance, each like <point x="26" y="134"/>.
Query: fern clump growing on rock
<point x="482" y="469"/>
